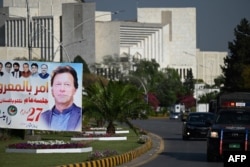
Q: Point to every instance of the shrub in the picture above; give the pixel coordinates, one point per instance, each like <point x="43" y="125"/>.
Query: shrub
<point x="101" y="154"/>
<point x="46" y="145"/>
<point x="143" y="139"/>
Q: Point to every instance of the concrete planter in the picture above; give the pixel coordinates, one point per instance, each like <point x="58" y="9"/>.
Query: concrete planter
<point x="104" y="132"/>
<point x="98" y="138"/>
<point x="38" y="151"/>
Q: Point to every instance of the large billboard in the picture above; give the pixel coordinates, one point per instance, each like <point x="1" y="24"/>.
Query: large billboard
<point x="41" y="95"/>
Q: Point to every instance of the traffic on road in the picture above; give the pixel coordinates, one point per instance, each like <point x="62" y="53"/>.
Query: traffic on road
<point x="177" y="152"/>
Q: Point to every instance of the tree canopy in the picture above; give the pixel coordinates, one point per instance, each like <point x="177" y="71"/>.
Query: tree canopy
<point x="148" y="72"/>
<point x="116" y="101"/>
<point x="170" y="88"/>
<point x="236" y="69"/>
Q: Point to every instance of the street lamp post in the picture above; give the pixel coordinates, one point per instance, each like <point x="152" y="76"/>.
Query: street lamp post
<point x="247" y="35"/>
<point x="28" y="29"/>
<point x="61" y="44"/>
<point x="142" y="84"/>
<point x="51" y="33"/>
<point x="63" y="47"/>
<point x="196" y="83"/>
<point x="28" y="32"/>
<point x="206" y="76"/>
<point x="31" y="132"/>
<point x="28" y="35"/>
<point x="211" y="62"/>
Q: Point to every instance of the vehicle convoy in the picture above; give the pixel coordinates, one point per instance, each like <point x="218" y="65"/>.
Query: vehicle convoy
<point x="230" y="130"/>
<point x="196" y="125"/>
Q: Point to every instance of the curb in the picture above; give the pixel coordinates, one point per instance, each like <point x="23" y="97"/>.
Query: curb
<point x="115" y="160"/>
<point x="156" y="149"/>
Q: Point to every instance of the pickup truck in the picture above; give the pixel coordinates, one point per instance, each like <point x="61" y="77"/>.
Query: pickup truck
<point x="229" y="131"/>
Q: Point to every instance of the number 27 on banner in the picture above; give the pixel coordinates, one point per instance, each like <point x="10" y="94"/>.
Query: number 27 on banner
<point x="33" y="114"/>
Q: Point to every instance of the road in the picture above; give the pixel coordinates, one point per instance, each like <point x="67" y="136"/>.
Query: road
<point x="176" y="151"/>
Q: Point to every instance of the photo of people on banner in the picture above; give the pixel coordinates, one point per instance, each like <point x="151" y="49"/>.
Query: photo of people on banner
<point x="41" y="95"/>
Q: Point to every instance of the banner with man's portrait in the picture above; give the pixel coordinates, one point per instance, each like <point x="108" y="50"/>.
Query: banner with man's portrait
<point x="41" y="95"/>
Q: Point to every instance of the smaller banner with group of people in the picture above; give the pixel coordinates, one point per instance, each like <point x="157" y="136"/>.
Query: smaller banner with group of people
<point x="41" y="95"/>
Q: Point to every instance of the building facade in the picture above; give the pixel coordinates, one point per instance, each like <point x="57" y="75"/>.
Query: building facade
<point x="60" y="30"/>
<point x="33" y="26"/>
<point x="209" y="65"/>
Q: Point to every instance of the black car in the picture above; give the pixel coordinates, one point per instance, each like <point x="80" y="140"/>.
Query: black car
<point x="197" y="125"/>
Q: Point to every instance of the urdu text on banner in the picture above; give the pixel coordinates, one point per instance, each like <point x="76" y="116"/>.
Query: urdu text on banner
<point x="41" y="95"/>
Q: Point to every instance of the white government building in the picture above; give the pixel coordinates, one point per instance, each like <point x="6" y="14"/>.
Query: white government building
<point x="59" y="30"/>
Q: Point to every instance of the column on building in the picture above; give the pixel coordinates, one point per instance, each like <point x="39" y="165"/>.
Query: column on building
<point x="161" y="56"/>
<point x="15" y="32"/>
<point x="43" y="37"/>
<point x="153" y="46"/>
<point x="146" y="48"/>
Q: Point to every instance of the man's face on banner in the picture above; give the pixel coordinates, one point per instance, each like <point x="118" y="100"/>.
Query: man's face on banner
<point x="34" y="69"/>
<point x="16" y="67"/>
<point x="25" y="67"/>
<point x="44" y="69"/>
<point x="63" y="89"/>
<point x="8" y="68"/>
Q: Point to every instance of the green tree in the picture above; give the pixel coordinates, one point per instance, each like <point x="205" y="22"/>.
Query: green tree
<point x="79" y="59"/>
<point x="115" y="101"/>
<point x="218" y="81"/>
<point x="170" y="88"/>
<point x="189" y="83"/>
<point x="148" y="72"/>
<point x="89" y="79"/>
<point x="238" y="60"/>
<point x="165" y="84"/>
<point x="246" y="77"/>
<point x="206" y="98"/>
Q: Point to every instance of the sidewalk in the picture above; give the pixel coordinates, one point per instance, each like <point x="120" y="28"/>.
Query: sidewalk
<point x="157" y="148"/>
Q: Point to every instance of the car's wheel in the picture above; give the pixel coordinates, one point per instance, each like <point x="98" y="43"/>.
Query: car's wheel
<point x="185" y="137"/>
<point x="211" y="157"/>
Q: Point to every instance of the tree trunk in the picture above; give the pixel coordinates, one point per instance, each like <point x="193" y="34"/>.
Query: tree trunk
<point x="100" y="122"/>
<point x="111" y="128"/>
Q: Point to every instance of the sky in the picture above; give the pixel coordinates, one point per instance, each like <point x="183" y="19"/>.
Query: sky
<point x="215" y="19"/>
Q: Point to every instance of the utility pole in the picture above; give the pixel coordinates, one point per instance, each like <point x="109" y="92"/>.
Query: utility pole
<point x="31" y="132"/>
<point x="29" y="31"/>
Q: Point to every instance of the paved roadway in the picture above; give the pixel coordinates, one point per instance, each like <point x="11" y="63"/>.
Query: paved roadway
<point x="173" y="152"/>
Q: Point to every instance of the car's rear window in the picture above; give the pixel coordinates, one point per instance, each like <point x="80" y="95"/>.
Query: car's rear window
<point x="233" y="117"/>
<point x="200" y="117"/>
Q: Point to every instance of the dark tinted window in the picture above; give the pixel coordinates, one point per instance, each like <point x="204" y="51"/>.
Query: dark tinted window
<point x="233" y="117"/>
<point x="200" y="117"/>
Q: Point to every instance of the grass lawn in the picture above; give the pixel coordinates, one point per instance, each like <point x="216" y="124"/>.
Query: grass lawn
<point x="55" y="159"/>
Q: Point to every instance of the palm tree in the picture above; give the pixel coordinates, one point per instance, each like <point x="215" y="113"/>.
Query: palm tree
<point x="115" y="101"/>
